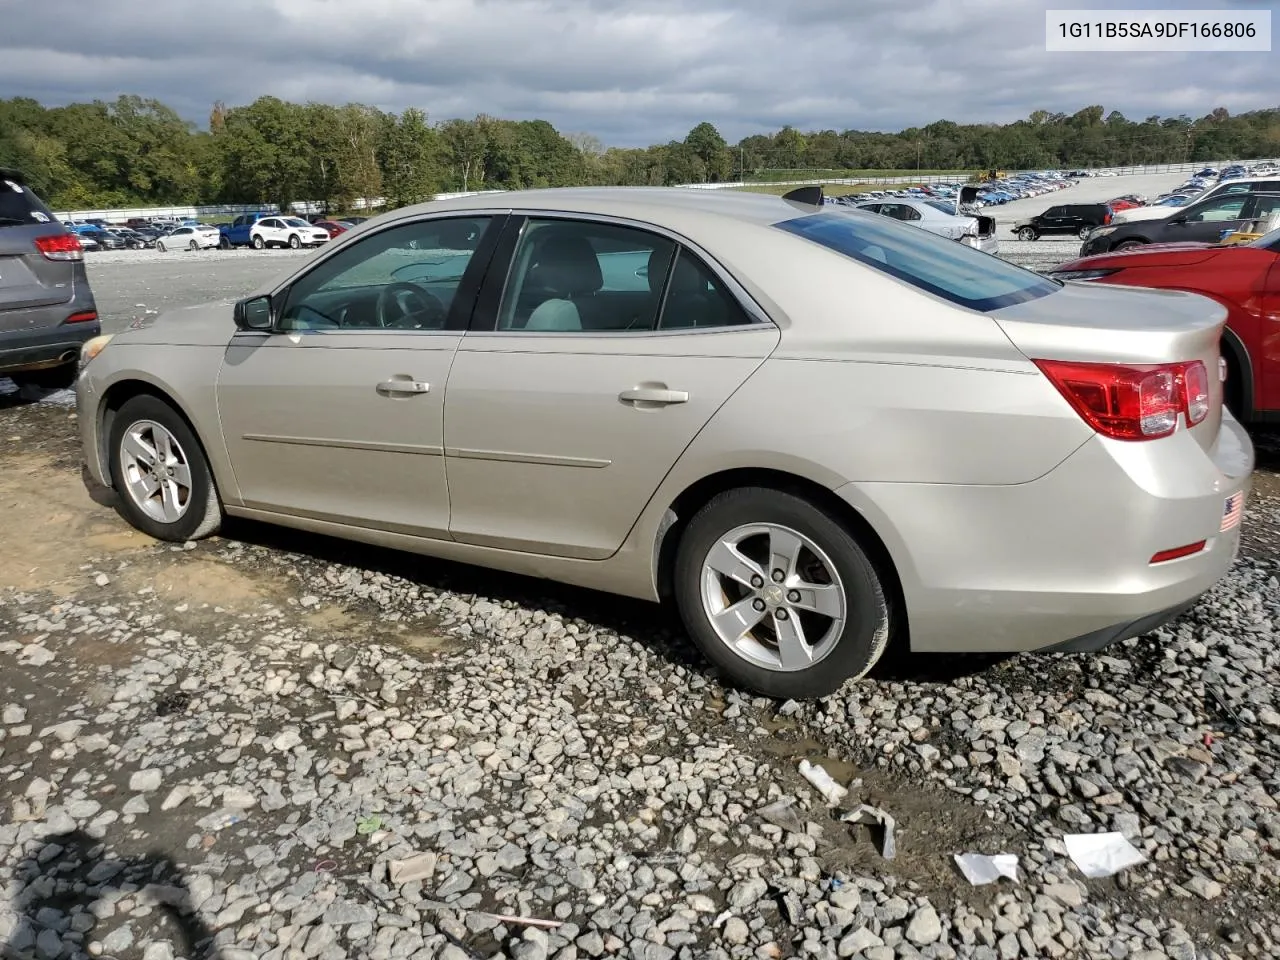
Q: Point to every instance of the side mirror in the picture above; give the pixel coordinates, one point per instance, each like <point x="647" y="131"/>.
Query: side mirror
<point x="1180" y="218"/>
<point x="253" y="314"/>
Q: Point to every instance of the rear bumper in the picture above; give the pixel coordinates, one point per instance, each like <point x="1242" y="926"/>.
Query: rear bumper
<point x="43" y="341"/>
<point x="1062" y="562"/>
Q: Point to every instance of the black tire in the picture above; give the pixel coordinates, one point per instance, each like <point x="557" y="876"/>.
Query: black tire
<point x="224" y="243"/>
<point x="193" y="245"/>
<point x="160" y="248"/>
<point x="1129" y="245"/>
<point x="258" y="243"/>
<point x="1028" y="233"/>
<point x="1083" y="232"/>
<point x="866" y="631"/>
<point x="295" y="242"/>
<point x="203" y="514"/>
<point x="54" y="378"/>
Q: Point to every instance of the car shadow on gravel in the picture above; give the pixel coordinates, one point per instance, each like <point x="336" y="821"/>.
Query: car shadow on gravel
<point x="69" y="884"/>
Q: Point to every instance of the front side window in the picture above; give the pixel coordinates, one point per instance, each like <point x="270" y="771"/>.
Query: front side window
<point x="925" y="260"/>
<point x="1228" y="208"/>
<point x="402" y="278"/>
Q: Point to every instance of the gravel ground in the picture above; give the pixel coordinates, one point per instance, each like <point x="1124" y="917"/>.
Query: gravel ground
<point x="271" y="744"/>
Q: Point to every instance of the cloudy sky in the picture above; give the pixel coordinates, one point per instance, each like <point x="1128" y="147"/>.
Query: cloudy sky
<point x="632" y="73"/>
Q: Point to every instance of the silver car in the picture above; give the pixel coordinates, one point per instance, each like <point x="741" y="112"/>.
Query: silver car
<point x="816" y="431"/>
<point x="940" y="217"/>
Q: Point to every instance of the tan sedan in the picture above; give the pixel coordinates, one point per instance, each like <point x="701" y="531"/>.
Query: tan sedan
<point x="816" y="430"/>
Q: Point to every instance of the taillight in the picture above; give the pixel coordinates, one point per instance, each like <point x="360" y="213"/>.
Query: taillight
<point x="1132" y="402"/>
<point x="84" y="316"/>
<point x="60" y="246"/>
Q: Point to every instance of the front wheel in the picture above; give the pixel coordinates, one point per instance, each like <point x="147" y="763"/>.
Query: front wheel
<point x="778" y="595"/>
<point x="1130" y="245"/>
<point x="1083" y="232"/>
<point x="193" y="245"/>
<point x="1027" y="233"/>
<point x="258" y="243"/>
<point x="295" y="241"/>
<point x="224" y="243"/>
<point x="160" y="473"/>
<point x="160" y="246"/>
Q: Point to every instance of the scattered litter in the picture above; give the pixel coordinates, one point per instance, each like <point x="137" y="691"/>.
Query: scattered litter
<point x="369" y="824"/>
<point x="874" y="815"/>
<point x="782" y="813"/>
<point x="221" y="819"/>
<point x="527" y="921"/>
<point x="418" y="867"/>
<point x="719" y="921"/>
<point x="980" y="869"/>
<point x="1220" y="702"/>
<point x="822" y="782"/>
<point x="326" y="866"/>
<point x="1102" y="854"/>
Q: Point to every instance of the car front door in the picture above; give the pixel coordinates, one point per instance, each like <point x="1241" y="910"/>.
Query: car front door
<point x="584" y="377"/>
<point x="1051" y="221"/>
<point x="1203" y="222"/>
<point x="336" y="412"/>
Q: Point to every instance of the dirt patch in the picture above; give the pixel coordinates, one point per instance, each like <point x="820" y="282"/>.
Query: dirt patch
<point x="52" y="527"/>
<point x="197" y="582"/>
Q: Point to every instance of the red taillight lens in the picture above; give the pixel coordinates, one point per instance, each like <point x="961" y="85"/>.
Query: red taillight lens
<point x="60" y="246"/>
<point x="1177" y="553"/>
<point x="85" y="317"/>
<point x="1195" y="387"/>
<point x="1132" y="402"/>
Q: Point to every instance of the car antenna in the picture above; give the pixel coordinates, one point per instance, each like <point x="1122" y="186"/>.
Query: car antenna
<point x="809" y="196"/>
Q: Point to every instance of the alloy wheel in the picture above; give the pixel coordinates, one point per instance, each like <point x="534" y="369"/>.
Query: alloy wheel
<point x="156" y="471"/>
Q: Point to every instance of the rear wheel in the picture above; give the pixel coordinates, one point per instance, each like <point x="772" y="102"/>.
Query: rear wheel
<point x="778" y="595"/>
<point x="1027" y="233"/>
<point x="257" y="242"/>
<point x="159" y="470"/>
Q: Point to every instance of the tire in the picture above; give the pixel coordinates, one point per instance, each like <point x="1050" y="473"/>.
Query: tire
<point x="759" y="519"/>
<point x="1129" y="245"/>
<point x="224" y="243"/>
<point x="193" y="245"/>
<point x="295" y="242"/>
<point x="257" y="242"/>
<point x="1083" y="232"/>
<point x="1028" y="233"/>
<point x="200" y="512"/>
<point x="160" y="246"/>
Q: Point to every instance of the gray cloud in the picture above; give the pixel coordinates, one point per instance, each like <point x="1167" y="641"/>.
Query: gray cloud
<point x="631" y="73"/>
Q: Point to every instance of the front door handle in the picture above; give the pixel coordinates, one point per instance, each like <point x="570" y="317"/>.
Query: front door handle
<point x="403" y="386"/>
<point x="655" y="395"/>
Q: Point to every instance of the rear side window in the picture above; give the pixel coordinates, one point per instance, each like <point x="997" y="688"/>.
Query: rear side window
<point x="934" y="264"/>
<point x="19" y="206"/>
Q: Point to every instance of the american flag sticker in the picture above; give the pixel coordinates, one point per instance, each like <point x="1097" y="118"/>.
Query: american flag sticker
<point x="1231" y="511"/>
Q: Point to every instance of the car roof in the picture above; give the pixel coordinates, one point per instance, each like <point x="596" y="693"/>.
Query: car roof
<point x="649" y="204"/>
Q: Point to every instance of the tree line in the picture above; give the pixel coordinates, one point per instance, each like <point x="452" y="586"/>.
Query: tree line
<point x="137" y="152"/>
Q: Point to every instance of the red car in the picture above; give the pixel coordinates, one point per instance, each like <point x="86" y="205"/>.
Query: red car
<point x="1244" y="278"/>
<point x="333" y="226"/>
<point x="1122" y="203"/>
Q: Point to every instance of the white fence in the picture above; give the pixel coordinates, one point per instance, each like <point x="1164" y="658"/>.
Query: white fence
<point x="314" y="206"/>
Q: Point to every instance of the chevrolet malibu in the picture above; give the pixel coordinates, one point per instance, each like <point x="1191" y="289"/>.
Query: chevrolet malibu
<point x="816" y="431"/>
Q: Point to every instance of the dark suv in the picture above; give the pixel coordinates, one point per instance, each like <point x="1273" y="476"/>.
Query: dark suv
<point x="1074" y="218"/>
<point x="46" y="307"/>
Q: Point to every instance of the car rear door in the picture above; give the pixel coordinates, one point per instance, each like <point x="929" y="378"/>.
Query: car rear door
<point x="591" y="364"/>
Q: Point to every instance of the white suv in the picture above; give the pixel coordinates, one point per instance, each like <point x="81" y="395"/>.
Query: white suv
<point x="286" y="232"/>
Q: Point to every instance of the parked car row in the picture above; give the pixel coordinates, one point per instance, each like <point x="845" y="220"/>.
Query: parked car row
<point x="943" y="217"/>
<point x="257" y="230"/>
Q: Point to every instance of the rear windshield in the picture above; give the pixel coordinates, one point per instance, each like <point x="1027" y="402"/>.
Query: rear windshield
<point x="927" y="261"/>
<point x="19" y="206"/>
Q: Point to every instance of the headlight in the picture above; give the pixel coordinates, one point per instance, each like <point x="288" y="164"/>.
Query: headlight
<point x="1102" y="231"/>
<point x="93" y="347"/>
<point x="1082" y="274"/>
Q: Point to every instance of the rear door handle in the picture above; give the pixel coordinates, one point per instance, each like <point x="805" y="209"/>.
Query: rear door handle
<point x="657" y="395"/>
<point x="403" y="386"/>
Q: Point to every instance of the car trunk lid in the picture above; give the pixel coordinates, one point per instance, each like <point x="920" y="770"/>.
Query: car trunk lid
<point x="27" y="277"/>
<point x="1094" y="323"/>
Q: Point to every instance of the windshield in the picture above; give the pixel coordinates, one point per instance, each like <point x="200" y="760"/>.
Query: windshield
<point x="1268" y="241"/>
<point x="295" y="222"/>
<point x="18" y="205"/>
<point x="937" y="265"/>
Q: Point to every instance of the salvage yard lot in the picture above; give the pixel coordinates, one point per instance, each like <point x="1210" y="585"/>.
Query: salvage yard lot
<point x="232" y="742"/>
